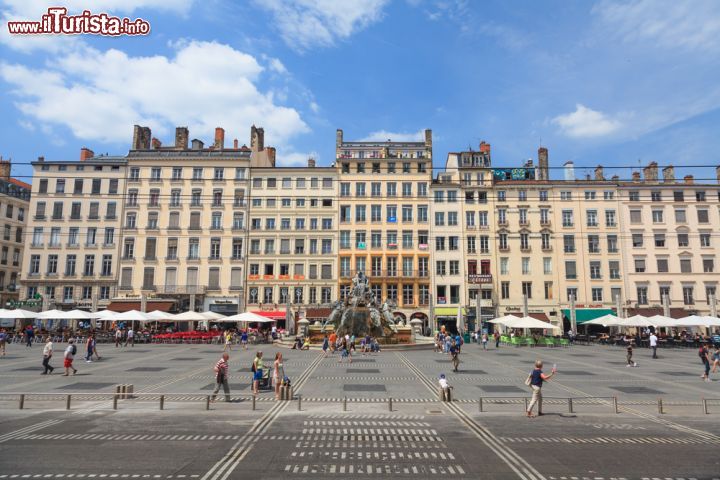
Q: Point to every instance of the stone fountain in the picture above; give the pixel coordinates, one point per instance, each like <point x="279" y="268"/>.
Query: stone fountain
<point x="362" y="313"/>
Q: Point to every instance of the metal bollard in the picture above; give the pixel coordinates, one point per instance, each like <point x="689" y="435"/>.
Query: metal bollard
<point x="21" y="404"/>
<point x="705" y="406"/>
<point x="207" y="402"/>
<point x="480" y="405"/>
<point x="660" y="406"/>
<point x="162" y="402"/>
<point x="345" y="403"/>
<point x="299" y="402"/>
<point x="615" y="405"/>
<point x="570" y="405"/>
<point x="254" y="399"/>
<point x="115" y="400"/>
<point x="67" y="402"/>
<point x="390" y="404"/>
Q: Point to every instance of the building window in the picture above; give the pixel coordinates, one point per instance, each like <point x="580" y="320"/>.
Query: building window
<point x="567" y="218"/>
<point x="642" y="298"/>
<point x="637" y="240"/>
<point x="595" y="272"/>
<point x="505" y="290"/>
<point x="662" y="265"/>
<point x="639" y="265"/>
<point x="527" y="289"/>
<point x="592" y="218"/>
<point x="657" y="216"/>
<point x="688" y="295"/>
<point x="614" y="268"/>
<point x="708" y="265"/>
<point x="685" y="265"/>
<point x="593" y="243"/>
<point x="660" y="240"/>
<point x="683" y="240"/>
<point x="570" y="270"/>
<point x="597" y="294"/>
<point x="610" y="218"/>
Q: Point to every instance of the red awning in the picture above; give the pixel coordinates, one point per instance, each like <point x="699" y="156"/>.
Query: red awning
<point x="275" y="315"/>
<point x="151" y="306"/>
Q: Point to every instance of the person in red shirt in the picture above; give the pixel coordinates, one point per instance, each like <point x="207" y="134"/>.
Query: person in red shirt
<point x="221" y="377"/>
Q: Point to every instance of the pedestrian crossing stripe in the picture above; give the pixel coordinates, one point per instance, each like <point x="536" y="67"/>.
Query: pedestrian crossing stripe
<point x="611" y="440"/>
<point x="367" y="423"/>
<point x="125" y="437"/>
<point x="364" y="469"/>
<point x="94" y="475"/>
<point x="354" y="416"/>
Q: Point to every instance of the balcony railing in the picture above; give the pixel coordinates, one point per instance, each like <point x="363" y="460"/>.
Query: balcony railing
<point x="180" y="289"/>
<point x="477" y="278"/>
<point x="397" y="273"/>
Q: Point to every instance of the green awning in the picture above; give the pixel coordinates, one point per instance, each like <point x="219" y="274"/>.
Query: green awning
<point x="583" y="315"/>
<point x="447" y="311"/>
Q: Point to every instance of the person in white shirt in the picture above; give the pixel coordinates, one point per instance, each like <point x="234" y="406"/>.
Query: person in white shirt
<point x="118" y="337"/>
<point x="70" y="352"/>
<point x="653" y="344"/>
<point x="444" y="387"/>
<point x="130" y="337"/>
<point x="47" y="355"/>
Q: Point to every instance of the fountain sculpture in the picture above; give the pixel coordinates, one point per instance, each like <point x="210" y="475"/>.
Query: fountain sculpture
<point x="361" y="313"/>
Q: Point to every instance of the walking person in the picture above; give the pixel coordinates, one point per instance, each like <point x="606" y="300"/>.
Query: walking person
<point x="653" y="344"/>
<point x="716" y="359"/>
<point x="704" y="355"/>
<point x="221" y="377"/>
<point x="228" y="341"/>
<point x="278" y="374"/>
<point x="118" y="337"/>
<point x="3" y="341"/>
<point x="257" y="368"/>
<point x="496" y="336"/>
<point x="89" y="348"/>
<point x="29" y="336"/>
<point x="629" y="354"/>
<point x="536" y="379"/>
<point x="244" y="339"/>
<point x="47" y="355"/>
<point x="68" y="357"/>
<point x="130" y="337"/>
<point x="325" y="345"/>
<point x="95" y="349"/>
<point x="484" y="341"/>
<point x="455" y="356"/>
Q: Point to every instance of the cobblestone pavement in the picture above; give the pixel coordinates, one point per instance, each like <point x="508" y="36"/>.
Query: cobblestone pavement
<point x="377" y="417"/>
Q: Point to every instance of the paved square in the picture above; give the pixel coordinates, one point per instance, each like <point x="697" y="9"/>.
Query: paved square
<point x="415" y="435"/>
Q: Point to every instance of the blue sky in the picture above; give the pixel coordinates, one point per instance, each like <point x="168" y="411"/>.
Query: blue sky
<point x="605" y="82"/>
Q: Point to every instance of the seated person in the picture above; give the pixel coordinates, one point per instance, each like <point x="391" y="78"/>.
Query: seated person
<point x="298" y="344"/>
<point x="306" y="344"/>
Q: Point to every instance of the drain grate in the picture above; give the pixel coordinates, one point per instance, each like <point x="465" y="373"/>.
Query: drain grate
<point x="364" y="388"/>
<point x="636" y="390"/>
<point x="500" y="389"/>
<point x="86" y="386"/>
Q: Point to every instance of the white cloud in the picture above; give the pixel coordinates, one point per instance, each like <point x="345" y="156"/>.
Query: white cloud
<point x="277" y="66"/>
<point x="585" y="123"/>
<point x="384" y="135"/>
<point x="32" y="10"/>
<point x="309" y="23"/>
<point x="668" y="23"/>
<point x="295" y="159"/>
<point x="100" y="95"/>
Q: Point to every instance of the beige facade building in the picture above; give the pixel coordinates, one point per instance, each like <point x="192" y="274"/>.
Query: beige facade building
<point x="670" y="242"/>
<point x="292" y="256"/>
<point x="185" y="221"/>
<point x="14" y="204"/>
<point x="73" y="231"/>
<point x="384" y="215"/>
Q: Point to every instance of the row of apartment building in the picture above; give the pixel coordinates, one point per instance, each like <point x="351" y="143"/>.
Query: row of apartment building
<point x="224" y="229"/>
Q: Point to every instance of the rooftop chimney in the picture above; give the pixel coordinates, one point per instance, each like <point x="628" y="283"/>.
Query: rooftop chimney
<point x="197" y="144"/>
<point x="615" y="178"/>
<point x="569" y="171"/>
<point x="271" y="155"/>
<point x="182" y="135"/>
<point x="717" y="173"/>
<point x="599" y="173"/>
<point x="635" y="176"/>
<point x="141" y="138"/>
<point x="5" y="167"/>
<point x="41" y="159"/>
<point x="156" y="144"/>
<point x="219" y="138"/>
<point x="235" y="144"/>
<point x="338" y="137"/>
<point x="668" y="174"/>
<point x="651" y="172"/>
<point x="257" y="139"/>
<point x="689" y="179"/>
<point x="86" y="153"/>
<point x="484" y="147"/>
<point x="428" y="138"/>
<point x="543" y="171"/>
<point x="311" y="162"/>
